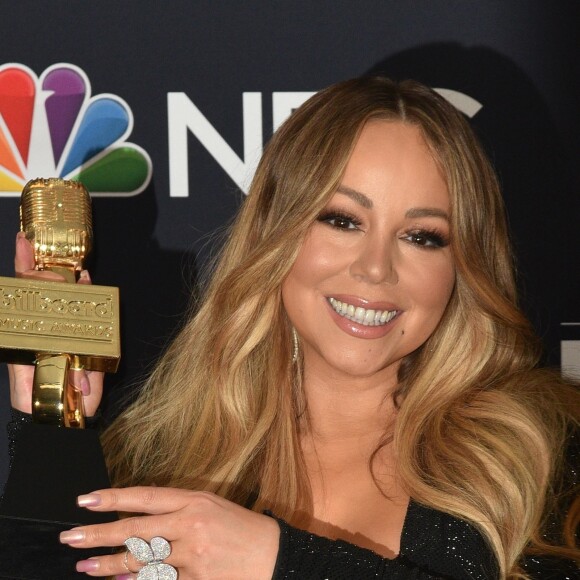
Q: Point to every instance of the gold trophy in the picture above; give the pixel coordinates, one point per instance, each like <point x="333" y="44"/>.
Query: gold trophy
<point x="58" y="326"/>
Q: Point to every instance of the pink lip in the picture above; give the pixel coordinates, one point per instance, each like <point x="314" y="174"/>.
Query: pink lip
<point x="360" y="330"/>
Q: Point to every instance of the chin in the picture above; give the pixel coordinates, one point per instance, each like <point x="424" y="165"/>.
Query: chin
<point x="354" y="366"/>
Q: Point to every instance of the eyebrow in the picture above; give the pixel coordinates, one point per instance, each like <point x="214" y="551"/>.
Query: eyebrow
<point x="355" y="195"/>
<point x="413" y="213"/>
<point x="420" y="212"/>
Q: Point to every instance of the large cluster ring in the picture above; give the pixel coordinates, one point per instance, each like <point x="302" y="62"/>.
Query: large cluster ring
<point x="151" y="554"/>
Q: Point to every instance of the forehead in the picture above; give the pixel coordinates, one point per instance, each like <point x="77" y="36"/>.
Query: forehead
<point x="392" y="140"/>
<point x="392" y="158"/>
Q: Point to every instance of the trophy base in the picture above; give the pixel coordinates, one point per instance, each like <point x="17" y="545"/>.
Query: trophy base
<point x="51" y="467"/>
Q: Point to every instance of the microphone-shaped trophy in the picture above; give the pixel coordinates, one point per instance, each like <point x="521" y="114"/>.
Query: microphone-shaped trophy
<point x="57" y="326"/>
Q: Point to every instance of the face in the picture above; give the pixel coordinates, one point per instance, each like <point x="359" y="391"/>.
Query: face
<point x="375" y="272"/>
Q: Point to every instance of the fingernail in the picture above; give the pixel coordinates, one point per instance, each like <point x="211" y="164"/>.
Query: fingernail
<point x="85" y="275"/>
<point x="124" y="577"/>
<point x="20" y="236"/>
<point x="88" y="565"/>
<point x="72" y="536"/>
<point x="85" y="387"/>
<point x="89" y="500"/>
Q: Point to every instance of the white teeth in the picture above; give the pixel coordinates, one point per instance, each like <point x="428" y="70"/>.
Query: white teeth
<point x="362" y="315"/>
<point x="369" y="317"/>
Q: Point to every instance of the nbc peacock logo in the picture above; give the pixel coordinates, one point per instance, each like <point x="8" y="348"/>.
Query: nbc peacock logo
<point x="51" y="126"/>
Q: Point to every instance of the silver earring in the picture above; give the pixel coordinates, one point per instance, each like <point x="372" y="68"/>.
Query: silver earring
<point x="295" y="345"/>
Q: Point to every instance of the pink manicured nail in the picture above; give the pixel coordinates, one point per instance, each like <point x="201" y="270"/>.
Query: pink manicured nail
<point x="88" y="565"/>
<point x="89" y="500"/>
<point x="72" y="536"/>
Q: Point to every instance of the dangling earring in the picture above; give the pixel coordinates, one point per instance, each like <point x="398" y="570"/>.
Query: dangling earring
<point x="295" y="345"/>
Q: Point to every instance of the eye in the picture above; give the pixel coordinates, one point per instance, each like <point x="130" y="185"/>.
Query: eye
<point x="426" y="239"/>
<point x="340" y="221"/>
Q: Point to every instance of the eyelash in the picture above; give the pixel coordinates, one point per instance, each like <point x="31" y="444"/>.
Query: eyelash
<point x="335" y="216"/>
<point x="433" y="239"/>
<point x="429" y="239"/>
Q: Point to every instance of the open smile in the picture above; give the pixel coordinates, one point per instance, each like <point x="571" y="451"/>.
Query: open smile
<point x="364" y="316"/>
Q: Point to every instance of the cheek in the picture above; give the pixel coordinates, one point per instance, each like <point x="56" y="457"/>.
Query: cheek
<point x="317" y="260"/>
<point x="433" y="286"/>
<point x="431" y="294"/>
<point x="441" y="291"/>
<point x="290" y="295"/>
<point x="302" y="288"/>
<point x="295" y="289"/>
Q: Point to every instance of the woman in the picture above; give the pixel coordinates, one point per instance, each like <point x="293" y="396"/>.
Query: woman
<point x="358" y="367"/>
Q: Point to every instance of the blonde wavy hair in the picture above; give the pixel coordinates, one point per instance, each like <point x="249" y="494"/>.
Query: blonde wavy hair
<point x="479" y="431"/>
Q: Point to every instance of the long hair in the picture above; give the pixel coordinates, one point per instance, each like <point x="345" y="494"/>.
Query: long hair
<point x="478" y="430"/>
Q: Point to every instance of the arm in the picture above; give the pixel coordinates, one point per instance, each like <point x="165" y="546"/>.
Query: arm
<point x="215" y="538"/>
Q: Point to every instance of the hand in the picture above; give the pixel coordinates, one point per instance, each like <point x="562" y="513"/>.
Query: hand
<point x="211" y="538"/>
<point x="88" y="382"/>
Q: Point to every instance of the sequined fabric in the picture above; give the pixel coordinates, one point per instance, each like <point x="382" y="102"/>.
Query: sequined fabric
<point x="18" y="419"/>
<point x="433" y="545"/>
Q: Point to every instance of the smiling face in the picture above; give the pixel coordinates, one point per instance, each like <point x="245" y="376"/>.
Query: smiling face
<point x="375" y="272"/>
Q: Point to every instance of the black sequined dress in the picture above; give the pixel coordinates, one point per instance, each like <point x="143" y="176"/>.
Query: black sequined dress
<point x="434" y="545"/>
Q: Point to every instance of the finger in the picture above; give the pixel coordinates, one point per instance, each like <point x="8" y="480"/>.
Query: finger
<point x="118" y="565"/>
<point x="149" y="500"/>
<point x="11" y="377"/>
<point x="80" y="381"/>
<point x="84" y="277"/>
<point x="115" y="533"/>
<point x="24" y="263"/>
<point x="24" y="257"/>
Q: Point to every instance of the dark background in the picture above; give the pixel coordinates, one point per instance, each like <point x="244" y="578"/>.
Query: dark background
<point x="516" y="57"/>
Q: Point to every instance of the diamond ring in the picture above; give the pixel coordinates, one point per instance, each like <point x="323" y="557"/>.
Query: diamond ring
<point x="151" y="554"/>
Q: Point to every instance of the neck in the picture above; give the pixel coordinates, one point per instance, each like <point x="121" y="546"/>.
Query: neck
<point x="342" y="407"/>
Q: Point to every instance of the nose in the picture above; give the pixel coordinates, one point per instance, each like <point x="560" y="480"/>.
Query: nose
<point x="375" y="262"/>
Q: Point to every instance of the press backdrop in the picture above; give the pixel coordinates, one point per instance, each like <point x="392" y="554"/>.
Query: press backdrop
<point x="181" y="96"/>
